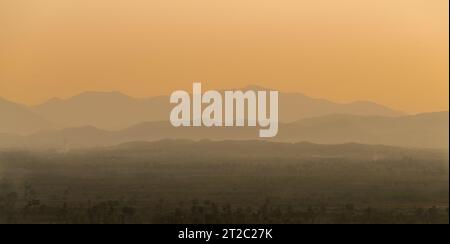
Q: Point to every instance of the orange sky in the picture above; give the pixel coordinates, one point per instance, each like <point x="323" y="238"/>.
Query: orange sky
<point x="394" y="52"/>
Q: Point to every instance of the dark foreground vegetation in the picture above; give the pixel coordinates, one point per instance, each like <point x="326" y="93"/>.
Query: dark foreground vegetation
<point x="225" y="182"/>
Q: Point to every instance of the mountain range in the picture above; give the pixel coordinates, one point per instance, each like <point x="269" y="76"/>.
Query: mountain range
<point x="16" y="118"/>
<point x="428" y="130"/>
<point x="115" y="111"/>
<point x="110" y="118"/>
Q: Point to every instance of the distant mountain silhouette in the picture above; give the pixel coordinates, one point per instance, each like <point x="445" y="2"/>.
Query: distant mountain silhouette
<point x="106" y="110"/>
<point x="422" y="131"/>
<point x="114" y="110"/>
<point x="296" y="106"/>
<point x="16" y="118"/>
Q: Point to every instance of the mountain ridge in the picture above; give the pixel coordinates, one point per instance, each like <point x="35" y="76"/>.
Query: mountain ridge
<point x="115" y="110"/>
<point x="429" y="130"/>
<point x="18" y="119"/>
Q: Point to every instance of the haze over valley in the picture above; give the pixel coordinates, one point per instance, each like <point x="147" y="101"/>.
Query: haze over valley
<point x="109" y="118"/>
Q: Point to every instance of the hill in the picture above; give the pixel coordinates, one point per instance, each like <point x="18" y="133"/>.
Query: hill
<point x="420" y="131"/>
<point x="18" y="119"/>
<point x="114" y="110"/>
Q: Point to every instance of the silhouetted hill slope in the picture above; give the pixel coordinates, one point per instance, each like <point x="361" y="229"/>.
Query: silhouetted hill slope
<point x="421" y="131"/>
<point x="296" y="106"/>
<point x="106" y="110"/>
<point x="15" y="118"/>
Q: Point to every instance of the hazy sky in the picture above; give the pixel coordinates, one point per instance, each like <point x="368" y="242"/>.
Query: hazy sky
<point x="394" y="52"/>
